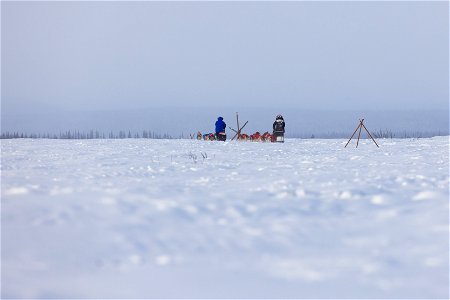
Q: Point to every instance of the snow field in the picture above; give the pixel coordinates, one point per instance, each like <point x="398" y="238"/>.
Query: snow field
<point x="185" y="218"/>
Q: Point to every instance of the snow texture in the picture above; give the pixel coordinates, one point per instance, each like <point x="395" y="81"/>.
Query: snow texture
<point x="194" y="219"/>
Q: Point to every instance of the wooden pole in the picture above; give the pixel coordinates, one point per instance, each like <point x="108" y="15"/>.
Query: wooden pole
<point x="243" y="126"/>
<point x="359" y="133"/>
<point x="234" y="135"/>
<point x="232" y="129"/>
<point x="238" y="132"/>
<point x="370" y="135"/>
<point x="352" y="135"/>
<point x="237" y="121"/>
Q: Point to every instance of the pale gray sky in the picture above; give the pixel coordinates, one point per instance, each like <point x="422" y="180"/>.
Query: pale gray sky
<point x="81" y="56"/>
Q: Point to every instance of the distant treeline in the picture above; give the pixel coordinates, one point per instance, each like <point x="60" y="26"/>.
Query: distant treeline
<point x="77" y="135"/>
<point x="148" y="134"/>
<point x="378" y="134"/>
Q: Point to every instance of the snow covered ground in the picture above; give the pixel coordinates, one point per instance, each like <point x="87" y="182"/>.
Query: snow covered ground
<point x="189" y="219"/>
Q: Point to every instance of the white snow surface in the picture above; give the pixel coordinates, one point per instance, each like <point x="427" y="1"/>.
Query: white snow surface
<point x="139" y="218"/>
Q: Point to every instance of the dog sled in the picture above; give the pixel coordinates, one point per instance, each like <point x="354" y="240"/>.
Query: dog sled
<point x="276" y="137"/>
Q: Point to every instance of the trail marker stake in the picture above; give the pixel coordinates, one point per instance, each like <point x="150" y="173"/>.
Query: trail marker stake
<point x="360" y="127"/>
<point x="239" y="129"/>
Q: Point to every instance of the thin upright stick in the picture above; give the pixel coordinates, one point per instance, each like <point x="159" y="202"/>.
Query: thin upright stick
<point x="359" y="133"/>
<point x="238" y="133"/>
<point x="237" y="121"/>
<point x="352" y="135"/>
<point x="370" y="136"/>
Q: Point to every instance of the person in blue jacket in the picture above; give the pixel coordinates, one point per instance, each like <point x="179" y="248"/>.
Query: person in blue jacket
<point x="220" y="129"/>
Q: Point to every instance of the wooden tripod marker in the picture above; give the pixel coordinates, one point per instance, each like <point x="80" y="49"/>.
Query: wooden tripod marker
<point x="360" y="126"/>
<point x="238" y="132"/>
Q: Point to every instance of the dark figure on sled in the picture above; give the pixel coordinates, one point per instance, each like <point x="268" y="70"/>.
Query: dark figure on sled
<point x="278" y="129"/>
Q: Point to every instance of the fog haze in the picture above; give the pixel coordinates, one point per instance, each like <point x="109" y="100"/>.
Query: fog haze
<point x="213" y="58"/>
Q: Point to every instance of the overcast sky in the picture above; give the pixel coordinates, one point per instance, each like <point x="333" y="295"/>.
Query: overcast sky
<point x="307" y="55"/>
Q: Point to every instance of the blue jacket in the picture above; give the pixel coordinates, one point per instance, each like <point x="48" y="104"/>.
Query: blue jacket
<point x="220" y="125"/>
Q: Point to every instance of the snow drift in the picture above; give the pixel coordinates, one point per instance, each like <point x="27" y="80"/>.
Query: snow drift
<point x="191" y="219"/>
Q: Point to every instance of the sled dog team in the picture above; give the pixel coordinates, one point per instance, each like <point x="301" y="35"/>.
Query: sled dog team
<point x="220" y="135"/>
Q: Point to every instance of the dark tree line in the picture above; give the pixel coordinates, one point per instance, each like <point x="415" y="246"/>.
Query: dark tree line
<point x="146" y="134"/>
<point x="378" y="134"/>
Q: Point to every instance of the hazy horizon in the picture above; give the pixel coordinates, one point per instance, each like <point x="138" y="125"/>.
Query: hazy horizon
<point x="79" y="64"/>
<point x="187" y="121"/>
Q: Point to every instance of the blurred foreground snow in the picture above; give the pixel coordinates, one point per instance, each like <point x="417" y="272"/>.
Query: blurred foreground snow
<point x="190" y="219"/>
